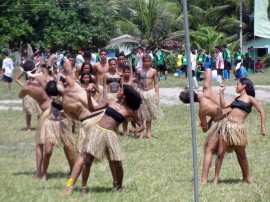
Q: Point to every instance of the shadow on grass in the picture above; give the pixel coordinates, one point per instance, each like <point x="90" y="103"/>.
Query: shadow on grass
<point x="32" y="129"/>
<point x="230" y="181"/>
<point x="50" y="175"/>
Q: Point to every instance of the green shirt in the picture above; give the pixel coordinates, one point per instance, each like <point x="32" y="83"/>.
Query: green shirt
<point x="250" y="56"/>
<point x="201" y="59"/>
<point x="160" y="57"/>
<point x="238" y="56"/>
<point x="227" y="55"/>
<point x="184" y="60"/>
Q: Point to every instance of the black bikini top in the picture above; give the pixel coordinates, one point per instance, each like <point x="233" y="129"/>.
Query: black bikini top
<point x="114" y="114"/>
<point x="111" y="80"/>
<point x="241" y="105"/>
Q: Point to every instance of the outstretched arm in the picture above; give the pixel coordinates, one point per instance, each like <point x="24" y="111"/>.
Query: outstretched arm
<point x="221" y="97"/>
<point x="17" y="79"/>
<point x="260" y="109"/>
<point x="91" y="106"/>
<point x="207" y="84"/>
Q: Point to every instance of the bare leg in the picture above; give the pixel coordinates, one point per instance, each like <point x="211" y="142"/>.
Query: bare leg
<point x="71" y="155"/>
<point x="39" y="158"/>
<point x="220" y="155"/>
<point x="46" y="161"/>
<point x="28" y="122"/>
<point x="210" y="147"/>
<point x="141" y="136"/>
<point x="125" y="125"/>
<point x="113" y="171"/>
<point x="134" y="126"/>
<point x="77" y="169"/>
<point x="243" y="162"/>
<point x="119" y="173"/>
<point x="86" y="171"/>
<point x="148" y="129"/>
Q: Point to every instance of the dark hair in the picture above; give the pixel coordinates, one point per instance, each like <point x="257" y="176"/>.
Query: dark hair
<point x="51" y="88"/>
<point x="146" y="56"/>
<point x="103" y="50"/>
<point x="133" y="97"/>
<point x="185" y="98"/>
<point x="28" y="66"/>
<point x="121" y="54"/>
<point x="70" y="56"/>
<point x="87" y="63"/>
<point x="224" y="45"/>
<point x="217" y="47"/>
<point x="87" y="54"/>
<point x="83" y="74"/>
<point x="112" y="59"/>
<point x="5" y="53"/>
<point x="249" y="86"/>
<point x="126" y="67"/>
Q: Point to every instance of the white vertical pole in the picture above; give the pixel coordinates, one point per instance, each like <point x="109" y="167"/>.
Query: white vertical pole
<point x="194" y="147"/>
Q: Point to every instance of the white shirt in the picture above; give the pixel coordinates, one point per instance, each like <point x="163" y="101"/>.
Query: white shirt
<point x="219" y="61"/>
<point x="93" y="59"/>
<point x="193" y="61"/>
<point x="8" y="66"/>
<point x="79" y="60"/>
<point x="139" y="60"/>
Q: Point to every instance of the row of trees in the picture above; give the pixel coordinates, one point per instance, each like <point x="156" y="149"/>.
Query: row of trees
<point x="70" y="25"/>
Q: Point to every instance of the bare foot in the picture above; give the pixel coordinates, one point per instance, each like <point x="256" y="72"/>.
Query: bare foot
<point x="125" y="134"/>
<point x="37" y="176"/>
<point x="215" y="182"/>
<point x="141" y="136"/>
<point x="84" y="191"/>
<point x="149" y="136"/>
<point x="44" y="178"/>
<point x="248" y="180"/>
<point x="67" y="191"/>
<point x="28" y="129"/>
<point x="203" y="182"/>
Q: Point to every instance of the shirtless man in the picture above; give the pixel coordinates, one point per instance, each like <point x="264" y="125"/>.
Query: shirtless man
<point x="121" y="62"/>
<point x="34" y="89"/>
<point x="100" y="68"/>
<point x="149" y="90"/>
<point x="209" y="105"/>
<point x="75" y="104"/>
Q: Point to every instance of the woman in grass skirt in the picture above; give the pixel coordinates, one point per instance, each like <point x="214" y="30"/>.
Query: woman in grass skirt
<point x="103" y="141"/>
<point x="233" y="132"/>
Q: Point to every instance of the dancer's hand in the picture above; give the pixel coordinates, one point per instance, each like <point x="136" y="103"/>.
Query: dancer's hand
<point x="222" y="87"/>
<point x="132" y="130"/>
<point x="89" y="91"/>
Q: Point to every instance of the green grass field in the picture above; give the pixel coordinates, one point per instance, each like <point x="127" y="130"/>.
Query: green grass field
<point x="157" y="170"/>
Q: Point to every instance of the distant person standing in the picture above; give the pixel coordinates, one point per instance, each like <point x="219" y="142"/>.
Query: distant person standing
<point x="219" y="63"/>
<point x="161" y="63"/>
<point x="139" y="57"/>
<point x="250" y="59"/>
<point x="201" y="60"/>
<point x="179" y="64"/>
<point x="238" y="56"/>
<point x="79" y="59"/>
<point x="208" y="62"/>
<point x="7" y="69"/>
<point x="226" y="54"/>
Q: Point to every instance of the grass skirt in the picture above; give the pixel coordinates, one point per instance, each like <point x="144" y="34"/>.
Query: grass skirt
<point x="41" y="120"/>
<point x="149" y="109"/>
<point x="101" y="99"/>
<point x="100" y="142"/>
<point x="30" y="106"/>
<point x="111" y="96"/>
<point x="234" y="134"/>
<point x="57" y="132"/>
<point x="86" y="125"/>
